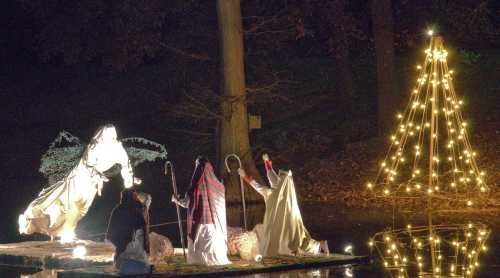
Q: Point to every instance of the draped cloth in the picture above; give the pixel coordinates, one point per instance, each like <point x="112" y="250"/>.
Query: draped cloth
<point x="206" y="225"/>
<point x="283" y="227"/>
<point x="208" y="202"/>
<point x="128" y="231"/>
<point x="282" y="231"/>
<point x="126" y="218"/>
<point x="58" y="209"/>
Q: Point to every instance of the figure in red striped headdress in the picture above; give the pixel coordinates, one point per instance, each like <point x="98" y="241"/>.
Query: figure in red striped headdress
<point x="206" y="225"/>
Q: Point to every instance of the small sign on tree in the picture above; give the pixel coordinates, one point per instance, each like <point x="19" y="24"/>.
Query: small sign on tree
<point x="254" y="122"/>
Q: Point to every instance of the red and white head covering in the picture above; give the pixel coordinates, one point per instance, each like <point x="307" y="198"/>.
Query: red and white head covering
<point x="208" y="201"/>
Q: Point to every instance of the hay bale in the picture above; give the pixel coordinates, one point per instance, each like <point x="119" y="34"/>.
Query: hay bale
<point x="160" y="248"/>
<point x="244" y="244"/>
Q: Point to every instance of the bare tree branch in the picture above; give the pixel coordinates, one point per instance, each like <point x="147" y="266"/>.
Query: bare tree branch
<point x="203" y="106"/>
<point x="197" y="133"/>
<point x="195" y="56"/>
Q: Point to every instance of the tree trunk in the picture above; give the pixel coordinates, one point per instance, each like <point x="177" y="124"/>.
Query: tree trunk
<point x="384" y="48"/>
<point x="234" y="131"/>
<point x="341" y="55"/>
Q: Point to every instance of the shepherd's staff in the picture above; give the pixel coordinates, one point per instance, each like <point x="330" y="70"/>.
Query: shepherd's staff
<point x="241" y="187"/>
<point x="174" y="186"/>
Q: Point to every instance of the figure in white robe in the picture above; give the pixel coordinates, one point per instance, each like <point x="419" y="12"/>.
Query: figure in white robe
<point x="206" y="225"/>
<point x="283" y="231"/>
<point x="58" y="209"/>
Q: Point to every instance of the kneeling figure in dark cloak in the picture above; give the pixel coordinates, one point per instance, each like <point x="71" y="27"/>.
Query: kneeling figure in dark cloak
<point x="128" y="230"/>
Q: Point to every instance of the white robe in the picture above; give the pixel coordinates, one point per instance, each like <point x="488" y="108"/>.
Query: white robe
<point x="58" y="209"/>
<point x="282" y="231"/>
<point x="209" y="246"/>
<point x="134" y="260"/>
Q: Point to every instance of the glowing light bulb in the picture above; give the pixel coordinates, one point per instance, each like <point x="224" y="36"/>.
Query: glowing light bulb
<point x="79" y="252"/>
<point x="67" y="236"/>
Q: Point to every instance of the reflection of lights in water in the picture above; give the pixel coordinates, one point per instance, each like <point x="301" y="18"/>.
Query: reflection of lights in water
<point x="68" y="236"/>
<point x="348" y="272"/>
<point x="315" y="273"/>
<point x="47" y="273"/>
<point x="79" y="252"/>
<point x="348" y="249"/>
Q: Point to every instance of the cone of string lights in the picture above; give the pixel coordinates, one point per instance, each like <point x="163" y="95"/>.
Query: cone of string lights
<point x="431" y="159"/>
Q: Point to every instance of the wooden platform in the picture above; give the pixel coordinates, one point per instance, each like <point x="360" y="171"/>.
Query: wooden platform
<point x="55" y="255"/>
<point x="98" y="261"/>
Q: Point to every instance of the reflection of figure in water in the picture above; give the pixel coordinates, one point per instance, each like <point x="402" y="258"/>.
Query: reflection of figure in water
<point x="47" y="273"/>
<point x="283" y="232"/>
<point x="58" y="209"/>
<point x="206" y="225"/>
<point x="302" y="273"/>
<point x="128" y="230"/>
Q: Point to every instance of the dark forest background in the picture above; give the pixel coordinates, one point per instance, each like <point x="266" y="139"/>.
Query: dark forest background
<point x="152" y="69"/>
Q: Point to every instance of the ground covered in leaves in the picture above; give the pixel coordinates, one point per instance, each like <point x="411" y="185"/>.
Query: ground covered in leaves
<point x="341" y="178"/>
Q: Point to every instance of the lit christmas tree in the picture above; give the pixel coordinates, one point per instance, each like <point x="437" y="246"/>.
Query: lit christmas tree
<point x="431" y="158"/>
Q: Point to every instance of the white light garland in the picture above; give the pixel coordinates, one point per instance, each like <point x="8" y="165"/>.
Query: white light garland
<point x="442" y="162"/>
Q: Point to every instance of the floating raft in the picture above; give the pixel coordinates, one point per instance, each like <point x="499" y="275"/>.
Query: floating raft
<point x="98" y="261"/>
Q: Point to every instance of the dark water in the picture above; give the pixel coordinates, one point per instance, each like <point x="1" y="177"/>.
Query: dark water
<point x="339" y="226"/>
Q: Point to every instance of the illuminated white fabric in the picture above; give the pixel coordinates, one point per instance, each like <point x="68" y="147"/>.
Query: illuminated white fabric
<point x="58" y="208"/>
<point x="208" y="248"/>
<point x="210" y="243"/>
<point x="283" y="231"/>
<point x="134" y="260"/>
